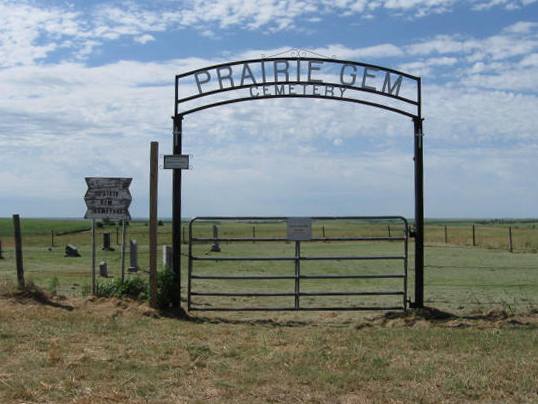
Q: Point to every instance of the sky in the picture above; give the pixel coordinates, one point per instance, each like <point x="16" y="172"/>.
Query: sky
<point x="85" y="86"/>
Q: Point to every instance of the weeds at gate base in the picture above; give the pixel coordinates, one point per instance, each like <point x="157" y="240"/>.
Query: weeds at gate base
<point x="138" y="289"/>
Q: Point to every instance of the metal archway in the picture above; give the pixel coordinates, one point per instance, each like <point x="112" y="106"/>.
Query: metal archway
<point x="301" y="77"/>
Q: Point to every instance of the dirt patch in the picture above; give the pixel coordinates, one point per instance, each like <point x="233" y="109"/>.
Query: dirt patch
<point x="415" y="318"/>
<point x="114" y="307"/>
<point x="429" y="317"/>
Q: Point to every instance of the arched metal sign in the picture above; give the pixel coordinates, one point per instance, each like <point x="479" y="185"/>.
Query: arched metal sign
<point x="302" y="77"/>
<point x="298" y="77"/>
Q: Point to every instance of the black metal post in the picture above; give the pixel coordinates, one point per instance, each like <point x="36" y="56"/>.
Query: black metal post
<point x="419" y="214"/>
<point x="176" y="210"/>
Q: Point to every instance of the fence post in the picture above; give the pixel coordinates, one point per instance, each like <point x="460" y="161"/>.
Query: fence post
<point x="510" y="245"/>
<point x="1" y="256"/>
<point x="52" y="238"/>
<point x="446" y="235"/>
<point x="94" y="284"/>
<point x="323" y="231"/>
<point x="474" y="236"/>
<point x="388" y="229"/>
<point x="18" y="250"/>
<point x="117" y="235"/>
<point x="297" y="273"/>
<point x="253" y="234"/>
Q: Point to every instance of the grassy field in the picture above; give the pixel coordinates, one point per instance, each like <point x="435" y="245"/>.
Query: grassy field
<point x="480" y="343"/>
<point x="457" y="276"/>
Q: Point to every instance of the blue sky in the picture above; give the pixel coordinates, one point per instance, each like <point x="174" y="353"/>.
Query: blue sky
<point x="86" y="85"/>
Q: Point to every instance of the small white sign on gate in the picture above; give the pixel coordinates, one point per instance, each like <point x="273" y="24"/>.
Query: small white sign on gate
<point x="299" y="228"/>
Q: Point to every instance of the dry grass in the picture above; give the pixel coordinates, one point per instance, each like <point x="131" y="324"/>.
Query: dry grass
<point x="119" y="351"/>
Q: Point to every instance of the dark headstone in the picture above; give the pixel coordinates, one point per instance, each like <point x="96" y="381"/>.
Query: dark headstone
<point x="107" y="245"/>
<point x="215" y="247"/>
<point x="71" y="251"/>
<point x="103" y="269"/>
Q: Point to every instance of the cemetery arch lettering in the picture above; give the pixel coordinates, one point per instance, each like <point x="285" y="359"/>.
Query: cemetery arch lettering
<point x="300" y="76"/>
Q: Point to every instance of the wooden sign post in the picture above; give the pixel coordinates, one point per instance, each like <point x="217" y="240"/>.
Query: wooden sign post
<point x="153" y="187"/>
<point x="108" y="198"/>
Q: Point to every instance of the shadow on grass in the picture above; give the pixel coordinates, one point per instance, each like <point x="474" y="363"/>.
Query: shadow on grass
<point x="32" y="293"/>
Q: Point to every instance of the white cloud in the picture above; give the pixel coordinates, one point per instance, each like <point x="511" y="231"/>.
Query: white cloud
<point x="30" y="31"/>
<point x="75" y="120"/>
<point x="506" y="4"/>
<point x="144" y="39"/>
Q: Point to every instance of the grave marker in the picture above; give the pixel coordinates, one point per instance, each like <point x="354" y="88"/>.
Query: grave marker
<point x="216" y="246"/>
<point x="133" y="256"/>
<point x="71" y="251"/>
<point x="167" y="256"/>
<point x="107" y="242"/>
<point x="103" y="269"/>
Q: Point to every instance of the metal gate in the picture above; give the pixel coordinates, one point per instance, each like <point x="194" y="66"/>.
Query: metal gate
<point x="239" y="244"/>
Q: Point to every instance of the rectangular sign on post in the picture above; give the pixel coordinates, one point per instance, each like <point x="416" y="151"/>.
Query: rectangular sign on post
<point x="299" y="228"/>
<point x="176" y="162"/>
<point x="108" y="198"/>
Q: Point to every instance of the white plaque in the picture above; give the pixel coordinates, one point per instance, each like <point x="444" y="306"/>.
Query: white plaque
<point x="299" y="228"/>
<point x="176" y="162"/>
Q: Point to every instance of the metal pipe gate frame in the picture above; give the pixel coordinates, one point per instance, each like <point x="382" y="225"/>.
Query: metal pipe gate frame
<point x="297" y="258"/>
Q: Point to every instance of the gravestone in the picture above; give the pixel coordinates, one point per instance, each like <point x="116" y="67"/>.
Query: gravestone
<point x="1" y="256"/>
<point x="133" y="256"/>
<point x="106" y="242"/>
<point x="215" y="247"/>
<point x="167" y="256"/>
<point x="71" y="251"/>
<point x="103" y="269"/>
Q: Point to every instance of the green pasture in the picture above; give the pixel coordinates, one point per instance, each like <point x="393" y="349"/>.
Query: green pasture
<point x="458" y="276"/>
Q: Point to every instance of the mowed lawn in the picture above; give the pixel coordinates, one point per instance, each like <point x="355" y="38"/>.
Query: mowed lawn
<point x="481" y="346"/>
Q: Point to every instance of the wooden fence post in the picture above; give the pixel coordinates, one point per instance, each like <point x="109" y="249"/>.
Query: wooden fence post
<point x="474" y="236"/>
<point x="18" y="250"/>
<point x="153" y="184"/>
<point x="446" y="235"/>
<point x="52" y="238"/>
<point x="94" y="282"/>
<point x="510" y="245"/>
<point x="388" y="229"/>
<point x="253" y="234"/>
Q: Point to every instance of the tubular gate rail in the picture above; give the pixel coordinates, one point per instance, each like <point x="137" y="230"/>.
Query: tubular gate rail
<point x="296" y="276"/>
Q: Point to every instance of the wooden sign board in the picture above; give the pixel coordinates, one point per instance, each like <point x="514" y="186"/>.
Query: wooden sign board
<point x="108" y="198"/>
<point x="299" y="228"/>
